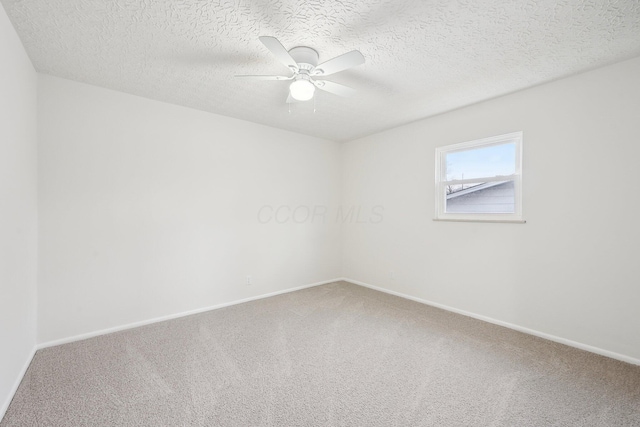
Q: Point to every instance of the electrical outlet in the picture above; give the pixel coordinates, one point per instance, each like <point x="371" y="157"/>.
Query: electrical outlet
<point x="248" y="280"/>
<point x="392" y="274"/>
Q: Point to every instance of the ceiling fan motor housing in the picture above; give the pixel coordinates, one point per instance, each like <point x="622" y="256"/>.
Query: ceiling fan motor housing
<point x="305" y="57"/>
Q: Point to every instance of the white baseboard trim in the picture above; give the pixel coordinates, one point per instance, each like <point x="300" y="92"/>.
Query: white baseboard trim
<point x="174" y="316"/>
<point x="16" y="384"/>
<point x="570" y="343"/>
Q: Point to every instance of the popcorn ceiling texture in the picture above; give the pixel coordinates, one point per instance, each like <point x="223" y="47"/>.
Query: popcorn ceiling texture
<point x="423" y="57"/>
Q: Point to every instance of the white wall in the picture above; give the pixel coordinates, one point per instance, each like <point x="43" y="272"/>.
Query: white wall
<point x="18" y="210"/>
<point x="572" y="270"/>
<point x="149" y="209"/>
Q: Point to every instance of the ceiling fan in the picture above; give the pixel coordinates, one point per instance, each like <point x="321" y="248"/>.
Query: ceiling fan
<point x="302" y="61"/>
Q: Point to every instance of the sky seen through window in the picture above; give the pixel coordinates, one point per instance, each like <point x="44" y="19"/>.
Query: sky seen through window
<point x="481" y="162"/>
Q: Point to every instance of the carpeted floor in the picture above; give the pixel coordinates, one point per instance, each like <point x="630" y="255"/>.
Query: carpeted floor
<point x="333" y="355"/>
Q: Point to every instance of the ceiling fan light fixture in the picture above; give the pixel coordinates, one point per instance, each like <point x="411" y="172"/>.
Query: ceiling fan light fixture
<point x="302" y="61"/>
<point x="302" y="90"/>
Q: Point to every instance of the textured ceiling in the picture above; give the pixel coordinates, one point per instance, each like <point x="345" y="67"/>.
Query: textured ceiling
<point x="423" y="57"/>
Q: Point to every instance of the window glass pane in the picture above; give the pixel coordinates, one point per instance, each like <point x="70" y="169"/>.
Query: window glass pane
<point x="481" y="197"/>
<point x="481" y="162"/>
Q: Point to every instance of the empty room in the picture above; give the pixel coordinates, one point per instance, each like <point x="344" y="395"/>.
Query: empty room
<point x="319" y="213"/>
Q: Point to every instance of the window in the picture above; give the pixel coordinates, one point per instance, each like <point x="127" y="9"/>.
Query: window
<point x="480" y="180"/>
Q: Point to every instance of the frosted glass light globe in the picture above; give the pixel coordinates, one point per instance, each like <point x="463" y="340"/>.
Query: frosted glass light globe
<point x="302" y="90"/>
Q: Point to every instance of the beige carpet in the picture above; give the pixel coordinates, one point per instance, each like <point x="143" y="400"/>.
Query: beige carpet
<point x="334" y="355"/>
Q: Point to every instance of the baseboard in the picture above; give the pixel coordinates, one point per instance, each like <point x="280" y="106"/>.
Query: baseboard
<point x="16" y="384"/>
<point x="174" y="316"/>
<point x="570" y="343"/>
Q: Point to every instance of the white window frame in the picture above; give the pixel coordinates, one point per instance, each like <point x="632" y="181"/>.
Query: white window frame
<point x="441" y="180"/>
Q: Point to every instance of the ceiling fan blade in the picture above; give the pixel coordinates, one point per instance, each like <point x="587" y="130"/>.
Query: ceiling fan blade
<point x="266" y="77"/>
<point x="339" y="63"/>
<point x="279" y="51"/>
<point x="334" y="88"/>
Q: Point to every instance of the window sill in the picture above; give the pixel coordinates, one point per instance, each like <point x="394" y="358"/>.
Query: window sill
<point x="511" y="221"/>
